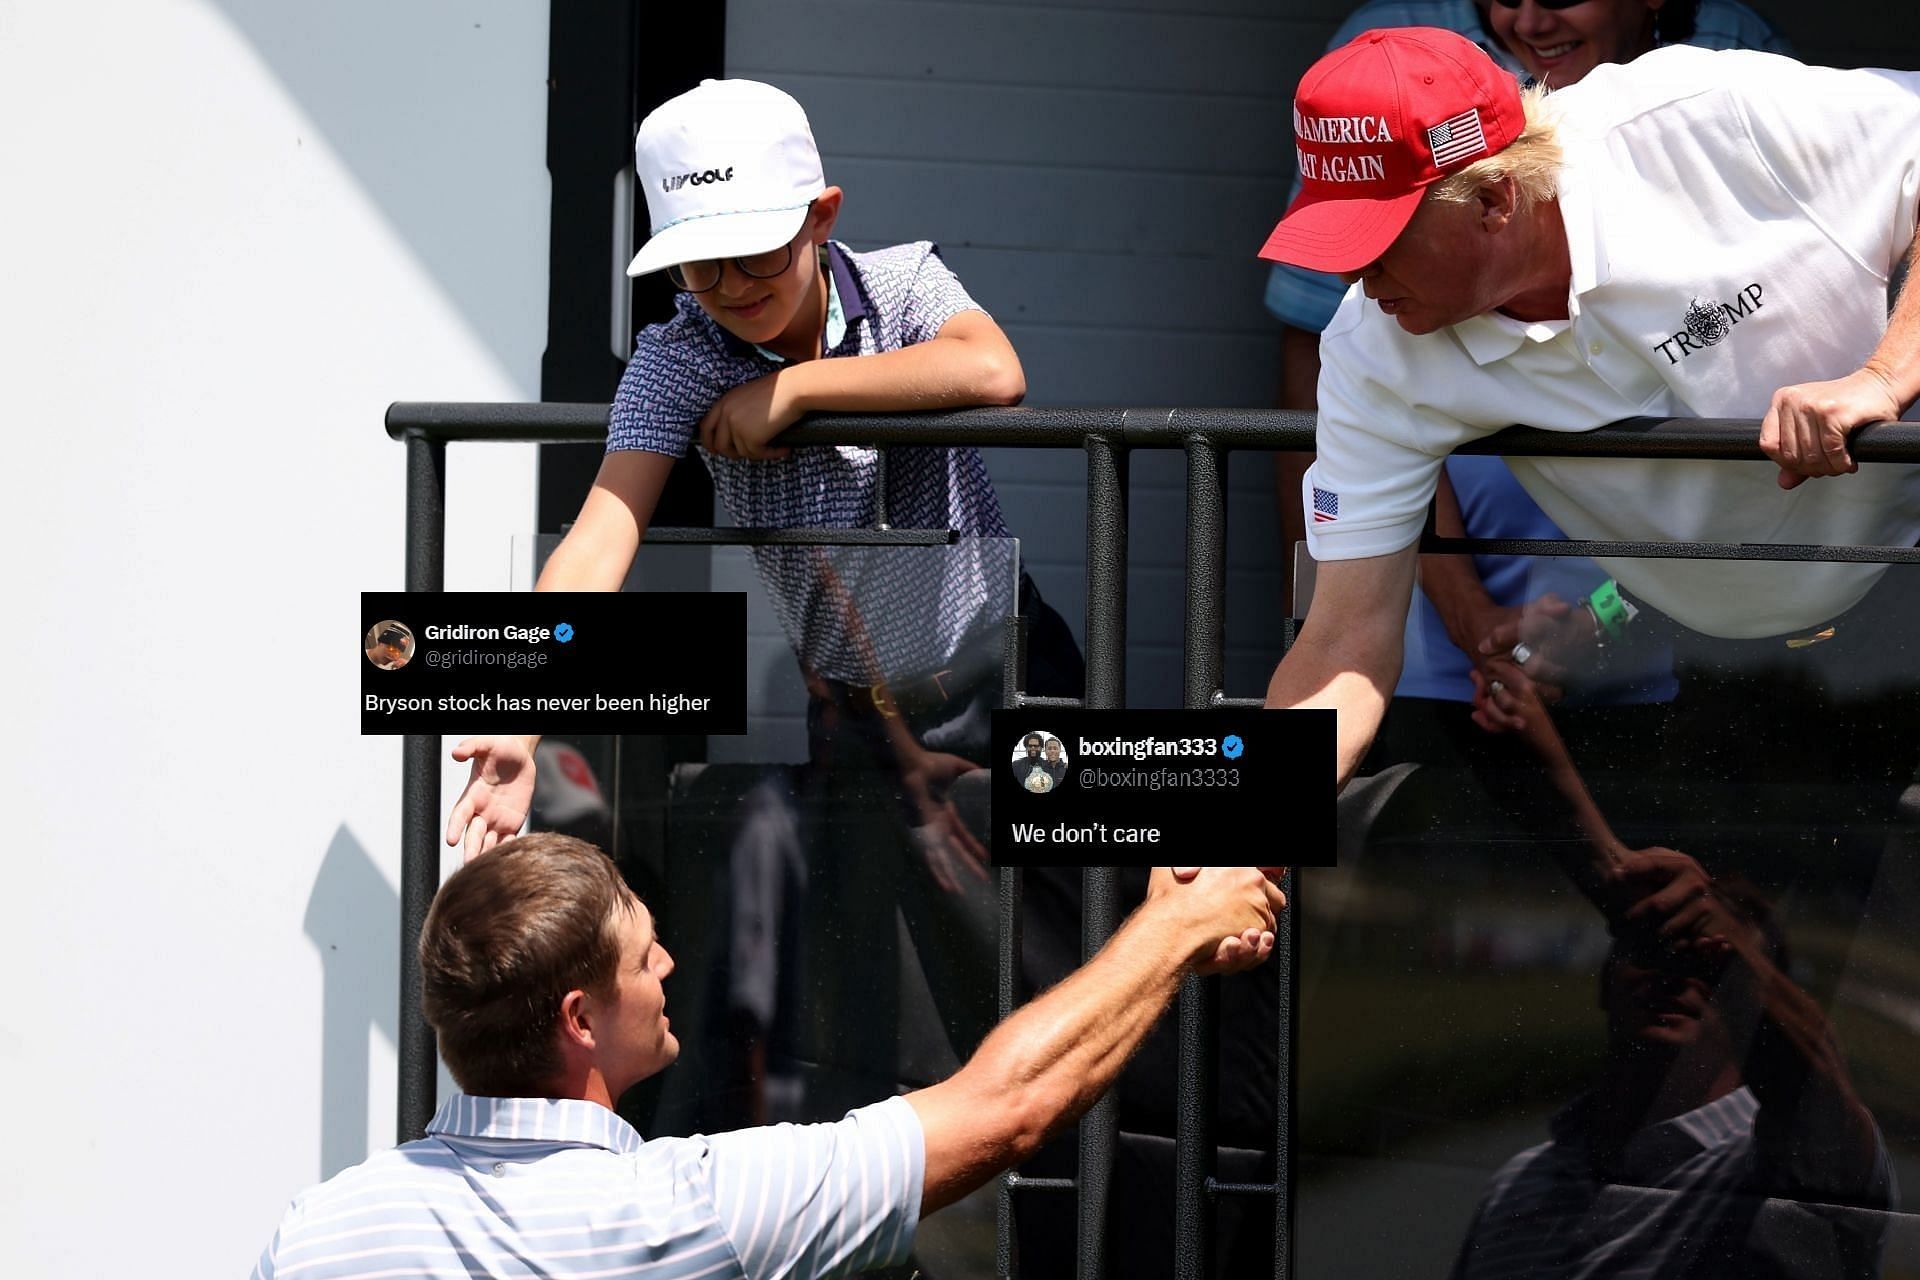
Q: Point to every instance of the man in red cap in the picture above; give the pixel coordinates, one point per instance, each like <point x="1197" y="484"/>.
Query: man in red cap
<point x="1694" y="234"/>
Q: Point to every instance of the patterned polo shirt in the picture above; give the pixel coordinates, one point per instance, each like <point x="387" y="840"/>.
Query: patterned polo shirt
<point x="918" y="604"/>
<point x="563" y="1188"/>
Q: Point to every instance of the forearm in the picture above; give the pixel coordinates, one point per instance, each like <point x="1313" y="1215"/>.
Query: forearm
<point x="1453" y="585"/>
<point x="599" y="549"/>
<point x="1818" y="1131"/>
<point x="579" y="565"/>
<point x="1066" y="1048"/>
<point x="1047" y="1063"/>
<point x="1896" y="360"/>
<point x="942" y="373"/>
<point x="1356" y="683"/>
<point x="1452" y="582"/>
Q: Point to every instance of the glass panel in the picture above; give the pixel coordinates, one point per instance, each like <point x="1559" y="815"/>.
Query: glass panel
<point x="1502" y="1057"/>
<point x="821" y="880"/>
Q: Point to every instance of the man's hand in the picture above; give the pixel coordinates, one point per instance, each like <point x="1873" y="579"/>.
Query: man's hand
<point x="945" y="843"/>
<point x="499" y="793"/>
<point x="1668" y="896"/>
<point x="1506" y="699"/>
<point x="742" y="421"/>
<point x="1231" y="911"/>
<point x="1806" y="427"/>
<point x="1560" y="638"/>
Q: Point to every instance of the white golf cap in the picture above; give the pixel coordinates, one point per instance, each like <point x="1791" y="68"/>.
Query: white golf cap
<point x="729" y="169"/>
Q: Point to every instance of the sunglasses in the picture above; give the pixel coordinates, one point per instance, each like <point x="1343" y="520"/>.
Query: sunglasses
<point x="698" y="277"/>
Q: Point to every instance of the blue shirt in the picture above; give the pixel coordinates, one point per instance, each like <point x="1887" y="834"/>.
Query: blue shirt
<point x="1493" y="505"/>
<point x="559" y="1187"/>
<point x="918" y="605"/>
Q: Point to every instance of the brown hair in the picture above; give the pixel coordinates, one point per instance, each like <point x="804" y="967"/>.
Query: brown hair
<point x="508" y="936"/>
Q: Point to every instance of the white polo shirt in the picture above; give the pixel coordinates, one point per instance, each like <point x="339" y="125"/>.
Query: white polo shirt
<point x="1732" y="219"/>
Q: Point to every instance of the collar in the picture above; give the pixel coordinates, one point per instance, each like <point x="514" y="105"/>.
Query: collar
<point x="563" y="1120"/>
<point x="844" y="303"/>
<point x="1492" y="337"/>
<point x="1659" y="1147"/>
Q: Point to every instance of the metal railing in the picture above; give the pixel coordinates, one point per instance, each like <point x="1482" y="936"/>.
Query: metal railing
<point x="1108" y="437"/>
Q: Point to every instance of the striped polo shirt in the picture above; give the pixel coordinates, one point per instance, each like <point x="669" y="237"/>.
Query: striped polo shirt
<point x="916" y="606"/>
<point x="1691" y="1198"/>
<point x="558" y="1187"/>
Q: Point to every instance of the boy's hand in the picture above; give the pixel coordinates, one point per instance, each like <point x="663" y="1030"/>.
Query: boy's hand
<point x="742" y="421"/>
<point x="499" y="793"/>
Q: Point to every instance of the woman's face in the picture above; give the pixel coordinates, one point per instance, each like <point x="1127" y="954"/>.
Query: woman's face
<point x="1559" y="46"/>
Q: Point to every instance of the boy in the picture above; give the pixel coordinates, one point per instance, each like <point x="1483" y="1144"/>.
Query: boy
<point x="775" y="320"/>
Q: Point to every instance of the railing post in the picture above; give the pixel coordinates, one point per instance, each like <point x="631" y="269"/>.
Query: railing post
<point x="1106" y="687"/>
<point x="1106" y="572"/>
<point x="1100" y="1126"/>
<point x="1206" y="571"/>
<point x="420" y="798"/>
<point x="1011" y="883"/>
<point x="1194" y="1138"/>
<point x="1285" y="959"/>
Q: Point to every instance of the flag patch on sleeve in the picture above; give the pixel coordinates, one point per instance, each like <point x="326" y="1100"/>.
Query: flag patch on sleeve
<point x="1326" y="505"/>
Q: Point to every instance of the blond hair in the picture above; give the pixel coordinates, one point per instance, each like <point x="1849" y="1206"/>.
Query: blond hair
<point x="1532" y="160"/>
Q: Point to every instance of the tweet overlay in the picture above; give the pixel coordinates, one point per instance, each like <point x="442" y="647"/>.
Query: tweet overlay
<point x="1163" y="787"/>
<point x="463" y="662"/>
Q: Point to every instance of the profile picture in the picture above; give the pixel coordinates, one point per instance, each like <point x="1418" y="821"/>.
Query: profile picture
<point x="389" y="645"/>
<point x="1039" y="761"/>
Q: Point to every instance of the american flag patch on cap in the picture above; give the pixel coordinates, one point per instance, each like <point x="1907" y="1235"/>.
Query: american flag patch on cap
<point x="1457" y="138"/>
<point x="1326" y="505"/>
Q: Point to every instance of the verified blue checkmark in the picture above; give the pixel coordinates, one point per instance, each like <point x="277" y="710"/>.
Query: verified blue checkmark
<point x="1231" y="747"/>
<point x="563" y="632"/>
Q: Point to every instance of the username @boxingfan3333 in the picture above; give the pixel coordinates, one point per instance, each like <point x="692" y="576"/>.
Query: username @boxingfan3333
<point x="1076" y="787"/>
<point x="465" y="662"/>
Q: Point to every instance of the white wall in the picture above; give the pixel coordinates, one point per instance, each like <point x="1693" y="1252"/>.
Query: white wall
<point x="231" y="233"/>
<point x="1100" y="173"/>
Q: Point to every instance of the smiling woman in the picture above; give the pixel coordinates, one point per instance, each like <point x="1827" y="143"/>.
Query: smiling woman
<point x="1559" y="43"/>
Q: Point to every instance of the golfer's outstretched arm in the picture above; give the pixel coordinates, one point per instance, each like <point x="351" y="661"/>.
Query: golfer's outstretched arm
<point x="1048" y="1062"/>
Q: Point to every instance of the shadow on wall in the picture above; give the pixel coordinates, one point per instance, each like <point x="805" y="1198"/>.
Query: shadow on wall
<point x="353" y="919"/>
<point x="439" y="112"/>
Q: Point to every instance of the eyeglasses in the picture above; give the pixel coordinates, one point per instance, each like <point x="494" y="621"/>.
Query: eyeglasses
<point x="1554" y="5"/>
<point x="698" y="277"/>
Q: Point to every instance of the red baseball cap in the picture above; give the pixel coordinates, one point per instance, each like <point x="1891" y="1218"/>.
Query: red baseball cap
<point x="1375" y="123"/>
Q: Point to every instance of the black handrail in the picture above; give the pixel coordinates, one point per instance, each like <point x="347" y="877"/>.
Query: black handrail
<point x="1171" y="428"/>
<point x="1107" y="435"/>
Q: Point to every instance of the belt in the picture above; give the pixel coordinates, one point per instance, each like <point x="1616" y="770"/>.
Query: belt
<point x="977" y="659"/>
<point x="913" y="696"/>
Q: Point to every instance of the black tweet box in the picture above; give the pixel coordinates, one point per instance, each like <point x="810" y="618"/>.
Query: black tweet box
<point x="1165" y="788"/>
<point x="464" y="662"/>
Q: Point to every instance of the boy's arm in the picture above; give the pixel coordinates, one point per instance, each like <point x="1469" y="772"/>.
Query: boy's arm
<point x="594" y="556"/>
<point x="598" y="550"/>
<point x="968" y="363"/>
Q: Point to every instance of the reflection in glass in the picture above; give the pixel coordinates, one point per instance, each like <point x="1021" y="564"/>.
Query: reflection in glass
<point x="1503" y="1054"/>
